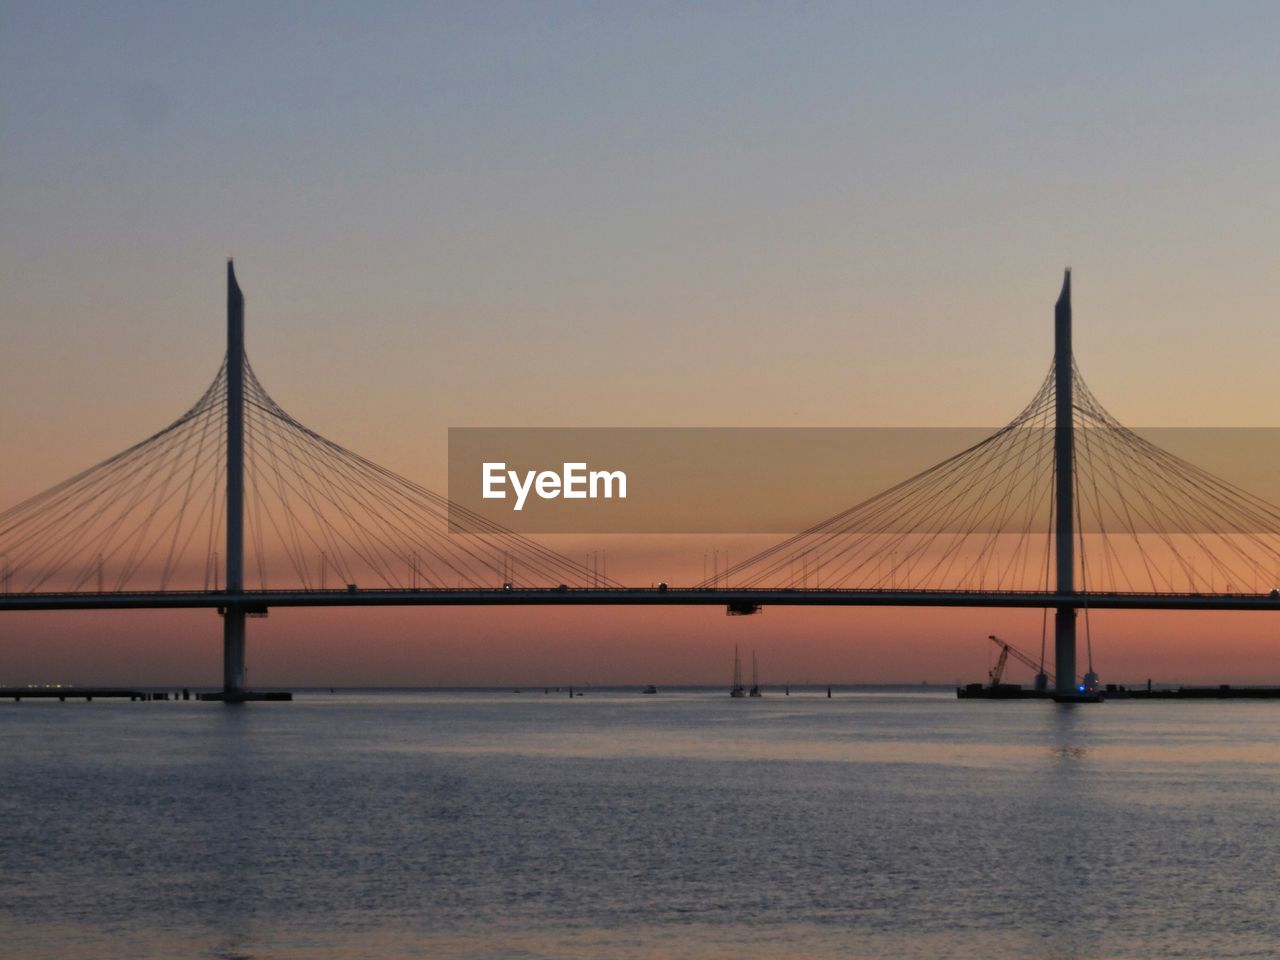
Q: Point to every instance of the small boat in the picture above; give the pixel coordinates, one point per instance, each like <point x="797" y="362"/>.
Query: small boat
<point x="755" y="676"/>
<point x="650" y="689"/>
<point x="738" y="689"/>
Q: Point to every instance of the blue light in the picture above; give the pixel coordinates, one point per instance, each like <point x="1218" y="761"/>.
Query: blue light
<point x="1082" y="688"/>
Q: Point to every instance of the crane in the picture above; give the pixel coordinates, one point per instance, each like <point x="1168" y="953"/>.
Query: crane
<point x="1008" y="650"/>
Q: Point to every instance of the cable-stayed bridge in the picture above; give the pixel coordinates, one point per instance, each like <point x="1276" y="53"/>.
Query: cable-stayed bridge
<point x="238" y="507"/>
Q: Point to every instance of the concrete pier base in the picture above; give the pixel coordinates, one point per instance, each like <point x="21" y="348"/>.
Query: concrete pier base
<point x="233" y="653"/>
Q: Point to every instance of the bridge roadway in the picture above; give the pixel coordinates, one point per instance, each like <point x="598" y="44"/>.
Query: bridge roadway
<point x="736" y="599"/>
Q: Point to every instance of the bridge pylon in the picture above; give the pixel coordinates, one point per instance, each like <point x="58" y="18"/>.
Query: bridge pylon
<point x="233" y="619"/>
<point x="1064" y="455"/>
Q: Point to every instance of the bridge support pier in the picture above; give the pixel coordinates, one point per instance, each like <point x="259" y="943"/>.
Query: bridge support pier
<point x="233" y="654"/>
<point x="1064" y="650"/>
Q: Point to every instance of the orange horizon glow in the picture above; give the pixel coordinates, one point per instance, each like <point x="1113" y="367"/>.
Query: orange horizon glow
<point x="620" y="646"/>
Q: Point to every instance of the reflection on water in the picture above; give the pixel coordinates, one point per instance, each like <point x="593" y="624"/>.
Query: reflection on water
<point x="1070" y="753"/>
<point x="684" y="825"/>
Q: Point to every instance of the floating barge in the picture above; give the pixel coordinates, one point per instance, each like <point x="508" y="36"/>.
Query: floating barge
<point x="245" y="696"/>
<point x="999" y="691"/>
<point x="89" y="694"/>
<point x="1223" y="691"/>
<point x="1112" y="691"/>
<point x="82" y="693"/>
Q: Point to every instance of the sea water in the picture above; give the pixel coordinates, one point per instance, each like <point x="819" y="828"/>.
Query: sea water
<point x="503" y="824"/>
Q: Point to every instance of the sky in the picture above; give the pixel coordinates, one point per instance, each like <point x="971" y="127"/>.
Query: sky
<point x="546" y="214"/>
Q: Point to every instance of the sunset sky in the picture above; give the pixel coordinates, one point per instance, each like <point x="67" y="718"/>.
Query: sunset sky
<point x="545" y="214"/>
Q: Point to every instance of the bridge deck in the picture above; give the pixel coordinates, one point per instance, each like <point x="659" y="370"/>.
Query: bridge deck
<point x="632" y="596"/>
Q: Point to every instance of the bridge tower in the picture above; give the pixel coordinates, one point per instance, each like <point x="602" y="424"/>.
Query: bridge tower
<point x="234" y="613"/>
<point x="1064" y="456"/>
